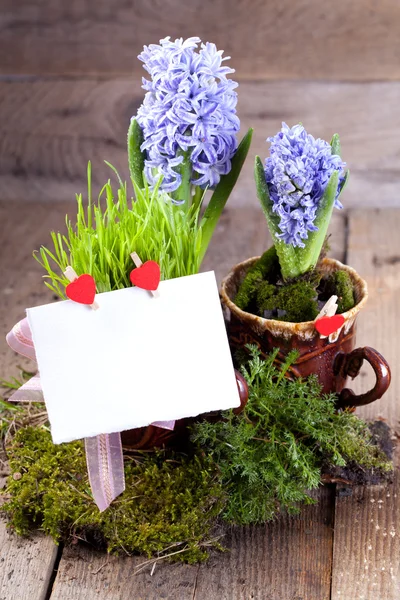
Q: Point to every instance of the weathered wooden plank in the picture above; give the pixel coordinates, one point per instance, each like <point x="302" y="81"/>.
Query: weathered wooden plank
<point x="84" y="573"/>
<point x="26" y="566"/>
<point x="50" y="129"/>
<point x="266" y="562"/>
<point x="23" y="228"/>
<point x="366" y="549"/>
<point x="367" y="546"/>
<point x="289" y="558"/>
<point x="374" y="251"/>
<point x="302" y="39"/>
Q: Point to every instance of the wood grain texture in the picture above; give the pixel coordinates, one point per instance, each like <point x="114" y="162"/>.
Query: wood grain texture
<point x="287" y="559"/>
<point x="366" y="562"/>
<point x="23" y="228"/>
<point x="367" y="523"/>
<point x="374" y="251"/>
<point x="50" y="129"/>
<point x="272" y="562"/>
<point x="84" y="573"/>
<point x="26" y="566"/>
<point x="267" y="40"/>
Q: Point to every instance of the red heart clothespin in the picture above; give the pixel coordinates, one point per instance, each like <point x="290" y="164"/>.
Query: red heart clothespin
<point x="327" y="325"/>
<point x="146" y="276"/>
<point x="82" y="289"/>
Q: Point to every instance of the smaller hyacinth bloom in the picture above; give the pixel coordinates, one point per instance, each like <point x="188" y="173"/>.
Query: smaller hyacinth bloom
<point x="297" y="173"/>
<point x="189" y="109"/>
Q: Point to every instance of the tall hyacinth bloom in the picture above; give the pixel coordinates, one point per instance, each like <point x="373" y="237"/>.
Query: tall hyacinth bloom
<point x="298" y="189"/>
<point x="297" y="173"/>
<point x="188" y="116"/>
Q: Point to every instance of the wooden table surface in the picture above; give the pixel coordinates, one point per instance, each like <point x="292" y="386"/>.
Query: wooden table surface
<point x="69" y="84"/>
<point x="347" y="547"/>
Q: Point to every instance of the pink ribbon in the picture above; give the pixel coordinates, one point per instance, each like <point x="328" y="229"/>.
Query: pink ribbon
<point x="104" y="458"/>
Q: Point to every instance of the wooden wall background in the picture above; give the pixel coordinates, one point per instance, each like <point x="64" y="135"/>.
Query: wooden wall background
<point x="70" y="81"/>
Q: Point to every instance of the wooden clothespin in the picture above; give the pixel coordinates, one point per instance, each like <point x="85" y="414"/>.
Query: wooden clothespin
<point x="328" y="323"/>
<point x="329" y="309"/>
<point x="81" y="289"/>
<point x="146" y="275"/>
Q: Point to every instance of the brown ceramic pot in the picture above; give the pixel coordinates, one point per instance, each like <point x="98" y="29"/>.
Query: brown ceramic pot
<point x="332" y="359"/>
<point x="148" y="438"/>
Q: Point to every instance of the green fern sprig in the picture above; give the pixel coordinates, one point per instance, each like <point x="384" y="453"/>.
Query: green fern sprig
<point x="271" y="455"/>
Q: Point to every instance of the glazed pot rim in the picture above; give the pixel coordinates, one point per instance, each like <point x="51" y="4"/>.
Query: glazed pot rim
<point x="330" y="264"/>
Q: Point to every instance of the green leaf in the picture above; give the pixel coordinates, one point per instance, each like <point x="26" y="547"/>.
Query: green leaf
<point x="89" y="180"/>
<point x="222" y="192"/>
<point x="286" y="253"/>
<point x="309" y="255"/>
<point x="335" y="144"/>
<point x="135" y="155"/>
<point x="336" y="149"/>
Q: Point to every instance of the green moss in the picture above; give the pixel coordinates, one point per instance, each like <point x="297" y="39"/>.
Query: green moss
<point x="295" y="302"/>
<point x="259" y="462"/>
<point x="266" y="266"/>
<point x="340" y="284"/>
<point x="265" y="291"/>
<point x="171" y="501"/>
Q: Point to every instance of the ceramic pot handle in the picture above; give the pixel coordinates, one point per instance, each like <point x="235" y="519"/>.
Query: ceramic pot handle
<point x="243" y="392"/>
<point x="350" y="365"/>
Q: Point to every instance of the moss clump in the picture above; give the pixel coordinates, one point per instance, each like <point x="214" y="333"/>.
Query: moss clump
<point x="271" y="454"/>
<point x="170" y="500"/>
<point x="340" y="284"/>
<point x="265" y="291"/>
<point x="262" y="270"/>
<point x="294" y="302"/>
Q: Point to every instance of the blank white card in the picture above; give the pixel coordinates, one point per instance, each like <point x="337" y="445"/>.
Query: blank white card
<point x="135" y="360"/>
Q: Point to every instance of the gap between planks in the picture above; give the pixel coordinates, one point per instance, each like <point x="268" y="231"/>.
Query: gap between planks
<point x="26" y="566"/>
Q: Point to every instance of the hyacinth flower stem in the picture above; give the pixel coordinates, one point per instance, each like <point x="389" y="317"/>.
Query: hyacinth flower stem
<point x="192" y="195"/>
<point x="222" y="192"/>
<point x="135" y="155"/>
<point x="295" y="261"/>
<point x="184" y="191"/>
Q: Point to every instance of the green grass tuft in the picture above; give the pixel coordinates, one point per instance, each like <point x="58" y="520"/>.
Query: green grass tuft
<point x="106" y="232"/>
